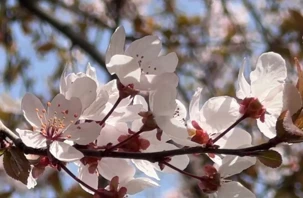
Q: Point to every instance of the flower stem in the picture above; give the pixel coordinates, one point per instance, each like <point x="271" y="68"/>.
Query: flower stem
<point x="229" y="128"/>
<point x="181" y="171"/>
<point x="111" y="111"/>
<point x="77" y="179"/>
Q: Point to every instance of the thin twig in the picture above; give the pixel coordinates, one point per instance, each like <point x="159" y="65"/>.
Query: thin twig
<point x="77" y="179"/>
<point x="229" y="128"/>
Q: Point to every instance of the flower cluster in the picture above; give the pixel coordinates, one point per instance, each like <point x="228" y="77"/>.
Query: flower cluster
<point x="139" y="113"/>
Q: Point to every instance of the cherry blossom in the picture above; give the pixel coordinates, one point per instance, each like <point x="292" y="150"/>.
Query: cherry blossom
<point x="87" y="88"/>
<point x="110" y="168"/>
<point x="215" y="182"/>
<point x="265" y="91"/>
<point x="216" y="115"/>
<point x="145" y="142"/>
<point x="170" y="114"/>
<point x="139" y="119"/>
<point x="53" y="126"/>
<point x="140" y="64"/>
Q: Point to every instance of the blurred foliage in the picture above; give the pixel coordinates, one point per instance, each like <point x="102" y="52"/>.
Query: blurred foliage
<point x="211" y="38"/>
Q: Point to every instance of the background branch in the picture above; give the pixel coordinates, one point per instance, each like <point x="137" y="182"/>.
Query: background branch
<point x="65" y="29"/>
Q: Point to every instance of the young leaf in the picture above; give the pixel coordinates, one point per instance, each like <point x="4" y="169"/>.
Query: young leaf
<point x="270" y="158"/>
<point x="16" y="165"/>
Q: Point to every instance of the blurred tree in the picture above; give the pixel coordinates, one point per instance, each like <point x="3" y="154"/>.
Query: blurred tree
<point x="211" y="38"/>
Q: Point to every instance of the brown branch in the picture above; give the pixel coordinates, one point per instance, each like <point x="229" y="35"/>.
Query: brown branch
<point x="150" y="156"/>
<point x="75" y="9"/>
<point x="65" y="29"/>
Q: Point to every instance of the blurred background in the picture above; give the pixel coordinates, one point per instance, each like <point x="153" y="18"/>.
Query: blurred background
<point x="211" y="38"/>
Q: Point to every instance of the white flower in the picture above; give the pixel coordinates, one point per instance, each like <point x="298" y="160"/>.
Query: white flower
<point x="216" y="115"/>
<point x="55" y="125"/>
<point x="140" y="64"/>
<point x="109" y="168"/>
<point x="216" y="184"/>
<point x="125" y="111"/>
<point x="170" y="114"/>
<point x="86" y="87"/>
<point x="266" y="85"/>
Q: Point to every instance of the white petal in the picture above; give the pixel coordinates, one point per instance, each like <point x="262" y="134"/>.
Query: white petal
<point x="29" y="105"/>
<point x="232" y="165"/>
<point x="268" y="128"/>
<point x="94" y="111"/>
<point x="234" y="190"/>
<point x="145" y="49"/>
<point x="111" y="133"/>
<point x="151" y="136"/>
<point x="180" y="112"/>
<point x="194" y="106"/>
<point x="127" y="114"/>
<point x="140" y="100"/>
<point x="180" y="161"/>
<point x="291" y="98"/>
<point x="270" y="71"/>
<point x="110" y="167"/>
<point x="273" y="102"/>
<point x="31" y="181"/>
<point x="85" y="89"/>
<point x="32" y="139"/>
<point x="83" y="133"/>
<point x="65" y="110"/>
<point x="91" y="72"/>
<point x="134" y="186"/>
<point x="151" y="82"/>
<point x="235" y="138"/>
<point x="116" y="45"/>
<point x="88" y="178"/>
<point x="162" y="101"/>
<point x="162" y="64"/>
<point x="136" y="125"/>
<point x="147" y="168"/>
<point x="63" y="83"/>
<point x="126" y="68"/>
<point x="111" y="88"/>
<point x="243" y="88"/>
<point x="172" y="127"/>
<point x="64" y="152"/>
<point x="219" y="113"/>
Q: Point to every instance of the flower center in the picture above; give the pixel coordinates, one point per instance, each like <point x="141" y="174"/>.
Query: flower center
<point x="197" y="134"/>
<point x="252" y="107"/>
<point x="52" y="127"/>
<point x="210" y="182"/>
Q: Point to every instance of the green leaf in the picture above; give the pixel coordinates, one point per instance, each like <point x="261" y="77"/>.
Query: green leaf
<point x="270" y="158"/>
<point x="16" y="165"/>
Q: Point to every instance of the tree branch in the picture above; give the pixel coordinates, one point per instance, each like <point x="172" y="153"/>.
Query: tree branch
<point x="149" y="156"/>
<point x="65" y="29"/>
<point x="76" y="10"/>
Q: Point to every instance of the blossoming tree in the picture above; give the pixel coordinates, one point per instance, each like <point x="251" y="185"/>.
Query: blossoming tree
<point x="176" y="102"/>
<point x="135" y="123"/>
